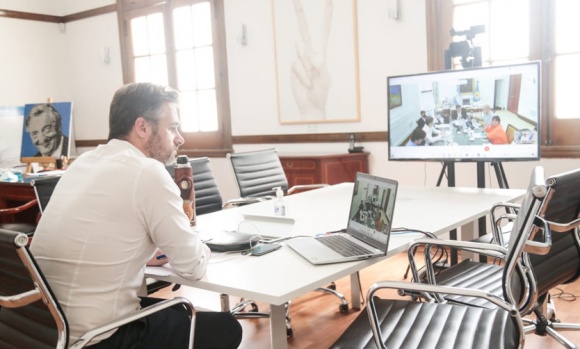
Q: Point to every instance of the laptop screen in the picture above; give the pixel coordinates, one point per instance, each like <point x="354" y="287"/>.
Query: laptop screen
<point x="371" y="209"/>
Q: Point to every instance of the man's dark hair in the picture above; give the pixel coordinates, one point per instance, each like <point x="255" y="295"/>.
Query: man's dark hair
<point x="48" y="109"/>
<point x="496" y="118"/>
<point x="420" y="122"/>
<point x="418" y="134"/>
<point x="139" y="99"/>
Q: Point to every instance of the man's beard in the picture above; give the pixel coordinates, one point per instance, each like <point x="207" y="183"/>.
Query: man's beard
<point x="156" y="151"/>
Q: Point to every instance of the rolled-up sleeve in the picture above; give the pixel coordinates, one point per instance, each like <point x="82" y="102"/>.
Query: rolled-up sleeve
<point x="160" y="207"/>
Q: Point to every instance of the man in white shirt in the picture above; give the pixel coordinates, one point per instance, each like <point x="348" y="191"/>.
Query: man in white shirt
<point x="431" y="134"/>
<point x="113" y="211"/>
<point x="486" y="115"/>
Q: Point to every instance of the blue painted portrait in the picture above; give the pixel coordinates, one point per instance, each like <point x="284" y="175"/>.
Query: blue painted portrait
<point x="46" y="130"/>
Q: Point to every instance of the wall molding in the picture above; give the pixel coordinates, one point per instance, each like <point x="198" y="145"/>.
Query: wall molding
<point x="276" y="139"/>
<point x="312" y="138"/>
<point x="58" y="19"/>
<point x="548" y="152"/>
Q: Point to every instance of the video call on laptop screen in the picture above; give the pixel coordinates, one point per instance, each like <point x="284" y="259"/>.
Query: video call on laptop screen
<point x="371" y="211"/>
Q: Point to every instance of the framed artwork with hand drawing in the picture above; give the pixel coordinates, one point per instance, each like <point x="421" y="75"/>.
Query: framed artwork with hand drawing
<point x="317" y="70"/>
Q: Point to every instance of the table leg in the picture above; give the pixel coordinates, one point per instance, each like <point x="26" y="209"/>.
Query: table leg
<point x="355" y="291"/>
<point x="278" y="326"/>
<point x="469" y="232"/>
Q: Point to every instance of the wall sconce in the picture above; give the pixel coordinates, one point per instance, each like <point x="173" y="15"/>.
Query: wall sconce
<point x="243" y="37"/>
<point x="393" y="8"/>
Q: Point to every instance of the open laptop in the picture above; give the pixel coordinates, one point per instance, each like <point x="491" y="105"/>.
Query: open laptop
<point x="368" y="229"/>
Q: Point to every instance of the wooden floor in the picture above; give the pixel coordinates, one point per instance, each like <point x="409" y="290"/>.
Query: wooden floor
<point x="317" y="322"/>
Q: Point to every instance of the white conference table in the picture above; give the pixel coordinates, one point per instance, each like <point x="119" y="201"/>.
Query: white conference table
<point x="283" y="275"/>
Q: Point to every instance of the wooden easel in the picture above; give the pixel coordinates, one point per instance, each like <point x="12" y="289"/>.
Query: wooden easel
<point x="47" y="162"/>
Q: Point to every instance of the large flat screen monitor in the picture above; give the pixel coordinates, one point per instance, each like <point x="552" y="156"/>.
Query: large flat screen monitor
<point x="481" y="114"/>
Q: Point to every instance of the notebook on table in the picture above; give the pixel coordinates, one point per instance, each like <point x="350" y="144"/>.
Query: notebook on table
<point x="368" y="228"/>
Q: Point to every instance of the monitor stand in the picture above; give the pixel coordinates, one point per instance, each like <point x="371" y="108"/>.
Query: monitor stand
<point x="449" y="168"/>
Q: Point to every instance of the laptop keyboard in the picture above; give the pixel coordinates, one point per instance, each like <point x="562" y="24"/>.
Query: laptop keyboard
<point x="343" y="246"/>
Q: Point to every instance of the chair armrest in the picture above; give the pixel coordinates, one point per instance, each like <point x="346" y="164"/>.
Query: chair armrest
<point x="510" y="214"/>
<point x="426" y="288"/>
<point x="86" y="338"/>
<point x="306" y="187"/>
<point x="21" y="299"/>
<point x="18" y="209"/>
<point x="477" y="247"/>
<point x="508" y="206"/>
<point x="490" y="250"/>
<point x="540" y="247"/>
<point x="498" y="230"/>
<point x="563" y="227"/>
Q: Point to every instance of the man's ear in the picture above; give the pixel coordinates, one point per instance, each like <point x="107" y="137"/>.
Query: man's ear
<point x="141" y="127"/>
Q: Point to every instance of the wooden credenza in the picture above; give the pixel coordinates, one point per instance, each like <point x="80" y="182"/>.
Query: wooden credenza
<point x="327" y="168"/>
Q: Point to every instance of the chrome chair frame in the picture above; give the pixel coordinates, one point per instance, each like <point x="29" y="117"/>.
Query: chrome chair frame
<point x="410" y="324"/>
<point x="35" y="289"/>
<point x="560" y="211"/>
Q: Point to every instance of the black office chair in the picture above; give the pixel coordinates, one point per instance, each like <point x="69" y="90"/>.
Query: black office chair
<point x="43" y="188"/>
<point x="409" y="324"/>
<point x="30" y="316"/>
<point x="561" y="264"/>
<point x="258" y="172"/>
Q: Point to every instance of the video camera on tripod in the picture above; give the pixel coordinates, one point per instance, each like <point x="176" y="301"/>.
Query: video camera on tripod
<point x="470" y="54"/>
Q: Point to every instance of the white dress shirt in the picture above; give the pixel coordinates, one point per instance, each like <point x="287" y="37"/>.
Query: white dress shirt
<point x="109" y="213"/>
<point x="432" y="135"/>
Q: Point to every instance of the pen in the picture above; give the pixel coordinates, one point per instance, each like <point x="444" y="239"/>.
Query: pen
<point x="161" y="256"/>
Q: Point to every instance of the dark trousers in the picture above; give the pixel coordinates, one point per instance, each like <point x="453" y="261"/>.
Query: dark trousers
<point x="169" y="328"/>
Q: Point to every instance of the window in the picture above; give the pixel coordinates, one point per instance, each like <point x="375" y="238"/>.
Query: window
<point x="181" y="43"/>
<point x="516" y="31"/>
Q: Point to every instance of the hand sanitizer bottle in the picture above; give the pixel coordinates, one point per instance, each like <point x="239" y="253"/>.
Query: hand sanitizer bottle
<point x="279" y="203"/>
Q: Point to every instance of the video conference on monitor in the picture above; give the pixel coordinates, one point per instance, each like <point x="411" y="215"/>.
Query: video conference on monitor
<point x="481" y="114"/>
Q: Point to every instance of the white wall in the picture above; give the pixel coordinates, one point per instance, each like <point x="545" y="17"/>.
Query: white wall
<point x="92" y="82"/>
<point x="40" y="60"/>
<point x="33" y="62"/>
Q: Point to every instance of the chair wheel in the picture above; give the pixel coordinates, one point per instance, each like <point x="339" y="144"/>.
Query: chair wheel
<point x="343" y="308"/>
<point x="254" y="307"/>
<point x="331" y="287"/>
<point x="289" y="332"/>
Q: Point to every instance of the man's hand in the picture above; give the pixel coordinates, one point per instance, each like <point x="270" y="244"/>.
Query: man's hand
<point x="158" y="259"/>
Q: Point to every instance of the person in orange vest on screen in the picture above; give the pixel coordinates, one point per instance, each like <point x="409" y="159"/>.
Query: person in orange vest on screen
<point x="495" y="132"/>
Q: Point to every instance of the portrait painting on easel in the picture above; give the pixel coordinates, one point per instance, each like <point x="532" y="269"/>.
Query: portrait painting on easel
<point x="46" y="130"/>
<point x="316" y="55"/>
